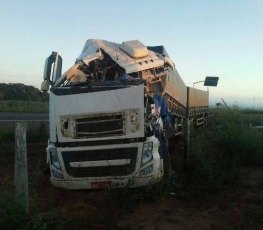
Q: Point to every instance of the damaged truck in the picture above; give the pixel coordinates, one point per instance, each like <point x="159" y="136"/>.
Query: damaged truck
<point x="112" y="113"/>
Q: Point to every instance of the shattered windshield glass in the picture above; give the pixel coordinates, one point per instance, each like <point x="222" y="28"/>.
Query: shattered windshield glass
<point x="96" y="71"/>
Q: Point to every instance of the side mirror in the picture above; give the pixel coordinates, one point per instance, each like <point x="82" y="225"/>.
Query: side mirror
<point x="45" y="86"/>
<point x="53" y="68"/>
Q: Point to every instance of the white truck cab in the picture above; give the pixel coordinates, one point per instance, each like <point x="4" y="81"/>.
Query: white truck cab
<point x="111" y="115"/>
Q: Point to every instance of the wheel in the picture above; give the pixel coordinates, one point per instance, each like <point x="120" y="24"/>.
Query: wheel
<point x="167" y="163"/>
<point x="205" y="124"/>
<point x="176" y="128"/>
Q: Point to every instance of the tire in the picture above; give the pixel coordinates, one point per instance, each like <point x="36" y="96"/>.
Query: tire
<point x="205" y="121"/>
<point x="167" y="162"/>
<point x="175" y="126"/>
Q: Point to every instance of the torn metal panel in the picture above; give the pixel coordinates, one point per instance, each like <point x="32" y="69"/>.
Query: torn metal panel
<point x="124" y="60"/>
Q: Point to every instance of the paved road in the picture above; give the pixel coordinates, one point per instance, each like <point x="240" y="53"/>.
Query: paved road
<point x="8" y="117"/>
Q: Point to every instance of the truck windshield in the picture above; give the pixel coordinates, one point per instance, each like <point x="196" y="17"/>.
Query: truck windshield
<point x="87" y="87"/>
<point x="95" y="74"/>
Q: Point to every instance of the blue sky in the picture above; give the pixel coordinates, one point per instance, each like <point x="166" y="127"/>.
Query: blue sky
<point x="204" y="38"/>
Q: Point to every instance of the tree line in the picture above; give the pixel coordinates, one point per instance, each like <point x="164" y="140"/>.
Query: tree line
<point x="17" y="91"/>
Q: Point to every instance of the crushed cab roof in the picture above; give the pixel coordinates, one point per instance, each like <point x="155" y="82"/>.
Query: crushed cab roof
<point x="123" y="59"/>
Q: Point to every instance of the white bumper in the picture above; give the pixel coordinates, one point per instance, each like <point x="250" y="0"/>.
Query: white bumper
<point x="113" y="182"/>
<point x="95" y="167"/>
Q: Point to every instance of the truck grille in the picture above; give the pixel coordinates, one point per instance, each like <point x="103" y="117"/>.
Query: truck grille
<point x="100" y="126"/>
<point x="102" y="155"/>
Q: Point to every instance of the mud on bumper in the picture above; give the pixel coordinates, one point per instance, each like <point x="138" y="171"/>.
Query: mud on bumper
<point x="104" y="183"/>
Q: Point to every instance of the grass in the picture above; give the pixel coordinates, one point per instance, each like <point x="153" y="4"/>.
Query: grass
<point x="14" y="216"/>
<point x="7" y="135"/>
<point x="226" y="145"/>
<point x="218" y="153"/>
<point x="23" y="106"/>
<point x="36" y="134"/>
<point x="127" y="198"/>
<point x="250" y="120"/>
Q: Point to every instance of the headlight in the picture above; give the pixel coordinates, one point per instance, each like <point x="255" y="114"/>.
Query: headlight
<point x="147" y="153"/>
<point x="54" y="158"/>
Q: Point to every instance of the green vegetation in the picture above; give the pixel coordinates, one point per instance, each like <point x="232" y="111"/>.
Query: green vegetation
<point x="39" y="133"/>
<point x="218" y="152"/>
<point x="229" y="143"/>
<point x="7" y="135"/>
<point x="24" y="106"/>
<point x="21" y="92"/>
<point x="13" y="216"/>
<point x="252" y="111"/>
<point x="22" y="98"/>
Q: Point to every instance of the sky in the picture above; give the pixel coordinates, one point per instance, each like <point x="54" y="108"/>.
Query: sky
<point x="203" y="37"/>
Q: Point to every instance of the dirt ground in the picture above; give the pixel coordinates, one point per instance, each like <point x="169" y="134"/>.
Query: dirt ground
<point x="234" y="207"/>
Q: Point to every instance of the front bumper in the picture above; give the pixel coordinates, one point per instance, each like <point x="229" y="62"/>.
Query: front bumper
<point x="135" y="181"/>
<point x="114" y="166"/>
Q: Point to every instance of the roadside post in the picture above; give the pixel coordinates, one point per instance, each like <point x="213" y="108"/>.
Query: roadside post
<point x="21" y="176"/>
